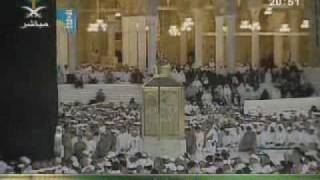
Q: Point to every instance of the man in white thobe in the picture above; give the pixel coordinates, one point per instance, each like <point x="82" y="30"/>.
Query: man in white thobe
<point x="206" y="98"/>
<point x="228" y="139"/>
<point x="281" y="136"/>
<point x="135" y="143"/>
<point x="200" y="138"/>
<point x="123" y="141"/>
<point x="212" y="140"/>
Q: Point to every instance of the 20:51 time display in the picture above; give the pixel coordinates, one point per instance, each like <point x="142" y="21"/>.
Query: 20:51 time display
<point x="281" y="3"/>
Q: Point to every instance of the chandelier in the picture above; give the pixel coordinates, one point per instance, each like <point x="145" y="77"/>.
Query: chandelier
<point x="99" y="25"/>
<point x="174" y="31"/>
<point x="187" y="25"/>
<point x="245" y="24"/>
<point x="268" y="11"/>
<point x="255" y="26"/>
<point x="285" y="28"/>
<point x="305" y="24"/>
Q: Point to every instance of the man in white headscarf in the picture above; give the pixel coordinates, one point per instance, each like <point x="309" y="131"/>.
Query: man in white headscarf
<point x="271" y="139"/>
<point x="281" y="136"/>
<point x="174" y="74"/>
<point x="297" y="136"/>
<point x="227" y="94"/>
<point x="135" y="143"/>
<point x="206" y="98"/>
<point x="58" y="145"/>
<point x="212" y="140"/>
<point x="228" y="140"/>
<point x="289" y="138"/>
<point x="310" y="138"/>
<point x="123" y="141"/>
<point x="241" y="91"/>
<point x="181" y="77"/>
<point x="188" y="110"/>
<point x="200" y="143"/>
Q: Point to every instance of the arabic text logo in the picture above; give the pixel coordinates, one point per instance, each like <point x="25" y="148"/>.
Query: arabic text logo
<point x="34" y="16"/>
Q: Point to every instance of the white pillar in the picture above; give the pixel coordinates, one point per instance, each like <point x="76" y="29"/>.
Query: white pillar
<point x="255" y="53"/>
<point x="62" y="45"/>
<point x="294" y="22"/>
<point x="111" y="40"/>
<point x="219" y="42"/>
<point x="278" y="50"/>
<point x="255" y="38"/>
<point x="198" y="37"/>
<point x="111" y="57"/>
<point x="134" y="41"/>
<point x="73" y="47"/>
<point x="183" y="47"/>
<point x="152" y="38"/>
<point x="231" y="43"/>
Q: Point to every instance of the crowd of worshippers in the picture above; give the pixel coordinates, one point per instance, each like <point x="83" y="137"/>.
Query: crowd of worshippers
<point x="90" y="74"/>
<point x="204" y="85"/>
<point x="106" y="139"/>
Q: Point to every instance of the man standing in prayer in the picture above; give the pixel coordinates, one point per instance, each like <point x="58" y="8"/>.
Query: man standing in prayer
<point x="249" y="141"/>
<point x="67" y="143"/>
<point x="100" y="96"/>
<point x="91" y="141"/>
<point x="281" y="136"/>
<point x="123" y="141"/>
<point x="200" y="143"/>
<point x="105" y="144"/>
<point x="271" y="138"/>
<point x="135" y="143"/>
<point x="190" y="141"/>
<point x="206" y="98"/>
<point x="58" y="145"/>
<point x="79" y="147"/>
<point x="227" y="94"/>
<point x="228" y="139"/>
<point x="212" y="139"/>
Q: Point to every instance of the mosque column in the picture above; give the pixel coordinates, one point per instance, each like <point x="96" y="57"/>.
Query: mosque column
<point x="72" y="40"/>
<point x="134" y="41"/>
<point x="294" y="22"/>
<point x="198" y="37"/>
<point x="278" y="43"/>
<point x="255" y="38"/>
<point x="152" y="42"/>
<point x="183" y="47"/>
<point x="73" y="49"/>
<point x="231" y="38"/>
<point x="219" y="43"/>
<point x="111" y="56"/>
<point x="278" y="50"/>
<point x="231" y="43"/>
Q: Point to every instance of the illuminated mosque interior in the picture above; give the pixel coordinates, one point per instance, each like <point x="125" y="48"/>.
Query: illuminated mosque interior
<point x="225" y="33"/>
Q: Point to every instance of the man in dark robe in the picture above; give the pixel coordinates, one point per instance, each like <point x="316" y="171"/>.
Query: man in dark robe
<point x="106" y="144"/>
<point x="67" y="144"/>
<point x="249" y="141"/>
<point x="79" y="147"/>
<point x="190" y="141"/>
<point x="100" y="96"/>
